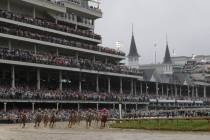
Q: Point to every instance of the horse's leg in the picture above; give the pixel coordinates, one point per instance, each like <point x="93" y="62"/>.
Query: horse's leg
<point x="22" y="123"/>
<point x="101" y="124"/>
<point x="86" y="124"/>
<point x="69" y="125"/>
<point x="52" y="125"/>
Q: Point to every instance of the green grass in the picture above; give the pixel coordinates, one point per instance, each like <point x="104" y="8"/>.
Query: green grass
<point x="167" y="124"/>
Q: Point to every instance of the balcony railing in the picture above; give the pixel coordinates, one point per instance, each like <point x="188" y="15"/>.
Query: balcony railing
<point x="96" y="12"/>
<point x="55" y="6"/>
<point x="47" y="24"/>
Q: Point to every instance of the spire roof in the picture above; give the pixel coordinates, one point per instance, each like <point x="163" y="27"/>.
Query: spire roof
<point x="133" y="50"/>
<point x="167" y="58"/>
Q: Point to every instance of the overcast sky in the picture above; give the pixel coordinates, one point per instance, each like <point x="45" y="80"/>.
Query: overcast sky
<point x="187" y="23"/>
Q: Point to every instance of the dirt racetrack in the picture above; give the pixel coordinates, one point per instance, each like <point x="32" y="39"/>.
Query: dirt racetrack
<point x="61" y="132"/>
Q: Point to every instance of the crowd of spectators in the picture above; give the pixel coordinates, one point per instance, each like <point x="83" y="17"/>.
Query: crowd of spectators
<point x="48" y="24"/>
<point x="23" y="93"/>
<point x="178" y="97"/>
<point x="59" y="3"/>
<point x="75" y="1"/>
<point x="134" y="114"/>
<point x="49" y="37"/>
<point x="49" y="59"/>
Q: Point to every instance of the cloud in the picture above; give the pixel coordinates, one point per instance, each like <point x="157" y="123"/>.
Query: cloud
<point x="187" y="23"/>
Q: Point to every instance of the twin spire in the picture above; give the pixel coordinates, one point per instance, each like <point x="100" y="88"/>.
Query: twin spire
<point x="133" y="50"/>
<point x="167" y="58"/>
<point x="133" y="53"/>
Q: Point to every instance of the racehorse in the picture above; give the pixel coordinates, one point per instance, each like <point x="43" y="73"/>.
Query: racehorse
<point x="45" y="119"/>
<point x="38" y="119"/>
<point x="89" y="117"/>
<point x="97" y="117"/>
<point x="104" y="117"/>
<point x="23" y="118"/>
<point x="52" y="119"/>
<point x="72" y="119"/>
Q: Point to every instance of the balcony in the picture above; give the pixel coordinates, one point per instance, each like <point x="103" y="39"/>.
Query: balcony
<point x="55" y="6"/>
<point x="47" y="26"/>
<point x="74" y="22"/>
<point x="94" y="12"/>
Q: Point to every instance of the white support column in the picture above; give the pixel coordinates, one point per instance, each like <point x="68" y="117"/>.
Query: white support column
<point x="97" y="83"/>
<point x="180" y="91"/>
<point x="80" y="82"/>
<point x="57" y="106"/>
<point x="113" y="106"/>
<point x="97" y="106"/>
<point x="38" y="79"/>
<point x="109" y="85"/>
<point x="146" y="108"/>
<point x="141" y="88"/>
<point x="35" y="49"/>
<point x="34" y="12"/>
<point x="57" y="52"/>
<point x="80" y="86"/>
<point x="146" y="89"/>
<point x="188" y="91"/>
<point x="135" y="88"/>
<point x="106" y="61"/>
<point x="176" y="90"/>
<point x="204" y="91"/>
<point x="77" y="56"/>
<point x="167" y="90"/>
<point x="136" y="106"/>
<point x="162" y="90"/>
<point x="33" y="106"/>
<point x="13" y="76"/>
<point x="9" y="44"/>
<point x="8" y="5"/>
<point x="196" y="92"/>
<point x="78" y="107"/>
<point x="193" y="91"/>
<point x="5" y="107"/>
<point x="60" y="81"/>
<point x="120" y="110"/>
<point x="157" y="89"/>
<point x="131" y="92"/>
<point x="121" y="84"/>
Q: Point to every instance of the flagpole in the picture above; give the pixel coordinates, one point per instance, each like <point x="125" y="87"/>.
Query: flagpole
<point x="155" y="45"/>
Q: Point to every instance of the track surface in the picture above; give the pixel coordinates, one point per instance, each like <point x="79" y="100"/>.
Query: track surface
<point x="61" y="132"/>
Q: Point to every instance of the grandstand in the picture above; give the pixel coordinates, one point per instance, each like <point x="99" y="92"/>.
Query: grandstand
<point x="50" y="56"/>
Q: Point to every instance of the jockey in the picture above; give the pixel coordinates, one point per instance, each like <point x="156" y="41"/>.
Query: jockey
<point x="104" y="112"/>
